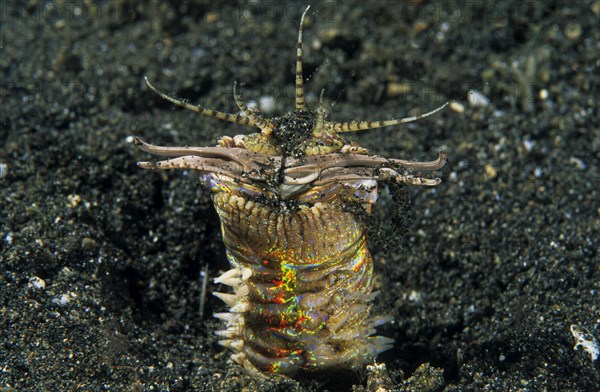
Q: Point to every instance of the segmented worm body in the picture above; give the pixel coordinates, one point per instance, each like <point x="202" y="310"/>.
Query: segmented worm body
<point x="301" y="272"/>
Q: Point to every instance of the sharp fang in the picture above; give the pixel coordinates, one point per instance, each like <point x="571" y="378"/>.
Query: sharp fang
<point x="226" y="343"/>
<point x="243" y="291"/>
<point x="229" y="299"/>
<point x="241" y="307"/>
<point x="236" y="345"/>
<point x="231" y="282"/>
<point x="377" y="321"/>
<point x="239" y="358"/>
<point x="228" y="333"/>
<point x="246" y="273"/>
<point x="226" y="316"/>
<point x="227" y="276"/>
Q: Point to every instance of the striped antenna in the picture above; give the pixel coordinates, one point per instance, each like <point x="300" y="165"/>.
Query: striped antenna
<point x="299" y="81"/>
<point x="321" y="113"/>
<point x="363" y="125"/>
<point x="234" y="118"/>
<point x="256" y="118"/>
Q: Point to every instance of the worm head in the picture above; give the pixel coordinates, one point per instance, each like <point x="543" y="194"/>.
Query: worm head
<point x="299" y="155"/>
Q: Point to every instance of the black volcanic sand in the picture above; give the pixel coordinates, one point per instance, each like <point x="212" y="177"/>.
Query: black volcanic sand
<point x="101" y="261"/>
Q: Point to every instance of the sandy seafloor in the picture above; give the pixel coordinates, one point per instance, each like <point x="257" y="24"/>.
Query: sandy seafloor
<point x="100" y="261"/>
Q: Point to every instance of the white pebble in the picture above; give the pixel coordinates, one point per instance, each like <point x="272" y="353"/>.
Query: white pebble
<point x="61" y="300"/>
<point x="414" y="296"/>
<point x="37" y="283"/>
<point x="457" y="107"/>
<point x="266" y="103"/>
<point x="528" y="144"/>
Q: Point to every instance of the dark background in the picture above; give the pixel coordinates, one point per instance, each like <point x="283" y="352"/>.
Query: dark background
<point x="499" y="261"/>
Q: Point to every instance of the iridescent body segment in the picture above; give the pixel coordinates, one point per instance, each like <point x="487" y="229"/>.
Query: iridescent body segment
<point x="306" y="299"/>
<point x="301" y="272"/>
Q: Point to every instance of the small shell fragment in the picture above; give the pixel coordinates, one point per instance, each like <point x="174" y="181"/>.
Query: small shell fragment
<point x="586" y="340"/>
<point x="3" y="170"/>
<point x="477" y="99"/>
